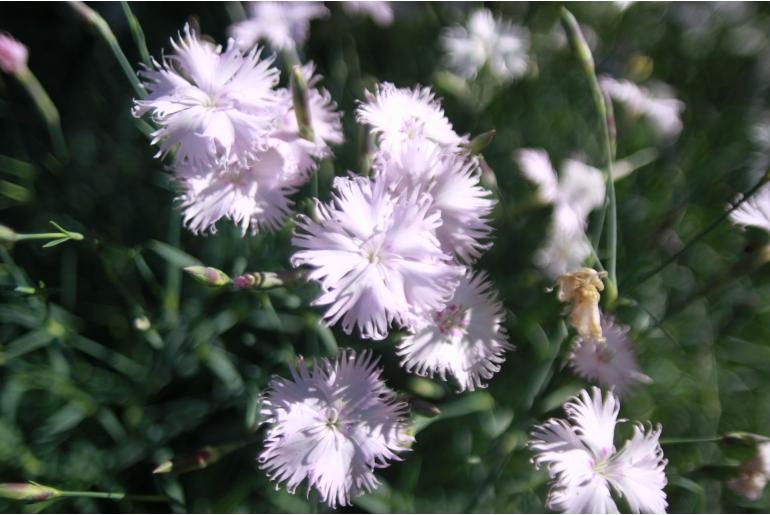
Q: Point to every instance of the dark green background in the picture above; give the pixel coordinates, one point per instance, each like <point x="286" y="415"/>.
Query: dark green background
<point x="88" y="401"/>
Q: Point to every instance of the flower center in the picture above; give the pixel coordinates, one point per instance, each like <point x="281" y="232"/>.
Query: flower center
<point x="331" y="416"/>
<point x="413" y="127"/>
<point x="452" y="321"/>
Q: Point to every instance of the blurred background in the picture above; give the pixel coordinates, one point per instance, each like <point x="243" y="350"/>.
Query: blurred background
<point x="112" y="361"/>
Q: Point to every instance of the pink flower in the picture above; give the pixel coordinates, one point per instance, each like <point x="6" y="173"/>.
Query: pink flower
<point x="583" y="463"/>
<point x="284" y="25"/>
<point x="400" y="116"/>
<point x="466" y="339"/>
<point x="210" y="105"/>
<point x="376" y="256"/>
<point x="611" y="363"/>
<point x="333" y="426"/>
<point x="453" y="184"/>
<point x="13" y="55"/>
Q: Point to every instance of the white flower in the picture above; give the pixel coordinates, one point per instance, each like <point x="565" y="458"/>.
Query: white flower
<point x="656" y="102"/>
<point x="284" y="25"/>
<point x="753" y="475"/>
<point x="453" y="183"/>
<point x="579" y="190"/>
<point x="466" y="339"/>
<point x="582" y="462"/>
<point x="210" y="106"/>
<point x="755" y="211"/>
<point x="13" y="55"/>
<point x="253" y="195"/>
<point x="376" y="257"/>
<point x="612" y="363"/>
<point x="496" y="43"/>
<point x="332" y="426"/>
<point x="380" y="12"/>
<point x="565" y="250"/>
<point x="404" y="116"/>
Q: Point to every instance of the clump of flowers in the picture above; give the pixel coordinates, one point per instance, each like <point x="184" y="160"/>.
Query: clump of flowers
<point x="611" y="363"/>
<point x="583" y="463"/>
<point x="332" y="425"/>
<point x="393" y="249"/>
<point x="238" y="151"/>
<point x="487" y="41"/>
<point x="574" y="194"/>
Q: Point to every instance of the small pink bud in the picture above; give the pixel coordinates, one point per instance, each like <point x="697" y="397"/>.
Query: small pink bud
<point x="27" y="491"/>
<point x="13" y="55"/>
<point x="243" y="281"/>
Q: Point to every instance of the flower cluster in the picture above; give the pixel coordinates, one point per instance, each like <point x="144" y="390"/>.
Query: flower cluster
<point x="236" y="144"/>
<point x="394" y="248"/>
<point x="574" y="194"/>
<point x="583" y="463"/>
<point x="332" y="425"/>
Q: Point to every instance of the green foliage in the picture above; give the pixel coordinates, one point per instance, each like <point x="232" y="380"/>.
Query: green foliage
<point x="112" y="362"/>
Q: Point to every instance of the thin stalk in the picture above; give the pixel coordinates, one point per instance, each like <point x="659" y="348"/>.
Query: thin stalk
<point x="47" y="110"/>
<point x="696" y="439"/>
<point x="43" y="236"/>
<point x="118" y="496"/>
<point x="95" y="20"/>
<point x="713" y="225"/>
<point x="137" y="33"/>
<point x="583" y="53"/>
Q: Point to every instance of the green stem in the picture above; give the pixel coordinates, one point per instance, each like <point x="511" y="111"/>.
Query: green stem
<point x="713" y="225"/>
<point x="586" y="59"/>
<point x="118" y="496"/>
<point x="41" y="236"/>
<point x="47" y="110"/>
<point x="95" y="20"/>
<point x="137" y="33"/>
<point x="676" y="441"/>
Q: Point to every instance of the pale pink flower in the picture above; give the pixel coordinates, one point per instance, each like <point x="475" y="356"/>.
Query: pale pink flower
<point x="453" y="183"/>
<point x="332" y="425"/>
<point x="583" y="463"/>
<point x="755" y="211"/>
<point x="656" y="102"/>
<point x="467" y="339"/>
<point x="400" y="116"/>
<point x="376" y="256"/>
<point x="254" y="195"/>
<point x="611" y="363"/>
<point x="13" y="55"/>
<point x="285" y="25"/>
<point x="210" y="105"/>
<point x="489" y="41"/>
<point x="380" y="12"/>
<point x="578" y="190"/>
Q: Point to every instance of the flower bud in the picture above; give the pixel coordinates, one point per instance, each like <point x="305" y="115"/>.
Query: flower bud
<point x="480" y="142"/>
<point x="7" y="235"/>
<point x="27" y="492"/>
<point x="208" y="275"/>
<point x="299" y="97"/>
<point x="13" y="55"/>
<point x="266" y="280"/>
<point x="198" y="460"/>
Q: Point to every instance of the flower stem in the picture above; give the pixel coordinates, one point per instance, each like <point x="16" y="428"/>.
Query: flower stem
<point x="676" y="441"/>
<point x="47" y="110"/>
<point x="583" y="53"/>
<point x="95" y="20"/>
<point x="118" y="496"/>
<point x="713" y="225"/>
<point x="138" y="33"/>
